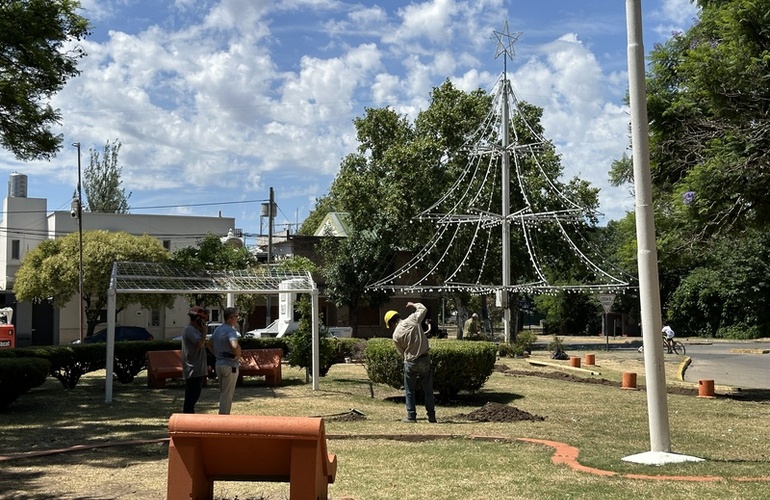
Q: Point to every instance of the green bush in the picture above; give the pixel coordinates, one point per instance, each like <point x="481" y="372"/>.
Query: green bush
<point x="456" y="365"/>
<point x="19" y="375"/>
<point x="68" y="363"/>
<point x="131" y="356"/>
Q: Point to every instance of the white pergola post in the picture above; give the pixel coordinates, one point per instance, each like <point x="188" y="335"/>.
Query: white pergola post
<point x="316" y="341"/>
<point x="111" y="296"/>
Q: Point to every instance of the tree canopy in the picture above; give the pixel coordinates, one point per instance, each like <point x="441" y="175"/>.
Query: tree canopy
<point x="51" y="271"/>
<point x="403" y="168"/>
<point x="211" y="254"/>
<point x="37" y="58"/>
<point x="709" y="112"/>
<point x="101" y="181"/>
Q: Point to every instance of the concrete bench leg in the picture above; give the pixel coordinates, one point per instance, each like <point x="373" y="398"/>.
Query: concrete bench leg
<point x="307" y="483"/>
<point x="187" y="477"/>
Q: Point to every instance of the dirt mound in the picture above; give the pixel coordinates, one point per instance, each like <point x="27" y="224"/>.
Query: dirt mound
<point x="496" y="412"/>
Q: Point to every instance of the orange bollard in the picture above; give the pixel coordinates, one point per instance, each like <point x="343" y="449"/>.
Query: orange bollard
<point x="629" y="381"/>
<point x="574" y="361"/>
<point x="590" y="359"/>
<point x="706" y="389"/>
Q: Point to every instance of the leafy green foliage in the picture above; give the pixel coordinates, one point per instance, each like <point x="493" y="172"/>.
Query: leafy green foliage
<point x="211" y="254"/>
<point x="35" y="66"/>
<point x="51" y="270"/>
<point x="708" y="106"/>
<point x="68" y="363"/>
<point x="101" y="181"/>
<point x="19" y="375"/>
<point x="457" y="365"/>
<point x="301" y="341"/>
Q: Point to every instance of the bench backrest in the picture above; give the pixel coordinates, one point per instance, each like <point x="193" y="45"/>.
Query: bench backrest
<point x="157" y="359"/>
<point x="261" y="357"/>
<point x="252" y="448"/>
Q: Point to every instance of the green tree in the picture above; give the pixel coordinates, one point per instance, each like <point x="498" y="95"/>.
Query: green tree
<point x="402" y="169"/>
<point x="101" y="182"/>
<point x="708" y="105"/>
<point x="211" y="254"/>
<point x="51" y="271"/>
<point x="33" y="67"/>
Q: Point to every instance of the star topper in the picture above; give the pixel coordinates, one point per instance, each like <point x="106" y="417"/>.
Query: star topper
<point x="505" y="40"/>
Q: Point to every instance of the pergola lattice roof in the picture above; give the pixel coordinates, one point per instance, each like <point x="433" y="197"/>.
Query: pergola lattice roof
<point x="156" y="277"/>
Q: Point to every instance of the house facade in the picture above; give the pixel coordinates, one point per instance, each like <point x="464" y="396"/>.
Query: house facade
<point x="26" y="222"/>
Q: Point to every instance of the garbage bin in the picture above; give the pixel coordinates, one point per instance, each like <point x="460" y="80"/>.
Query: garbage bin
<point x="7" y="337"/>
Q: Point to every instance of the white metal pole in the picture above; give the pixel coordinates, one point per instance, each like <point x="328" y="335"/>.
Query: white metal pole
<point x="316" y="341"/>
<point x="506" y="208"/>
<point x="649" y="291"/>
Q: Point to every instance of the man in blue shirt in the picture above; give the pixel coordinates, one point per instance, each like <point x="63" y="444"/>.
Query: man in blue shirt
<point x="224" y="345"/>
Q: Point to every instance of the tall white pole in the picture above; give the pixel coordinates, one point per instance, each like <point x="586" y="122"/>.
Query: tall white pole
<point x="80" y="244"/>
<point x="649" y="290"/>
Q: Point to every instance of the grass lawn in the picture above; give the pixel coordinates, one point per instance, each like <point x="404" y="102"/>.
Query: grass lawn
<point x="381" y="458"/>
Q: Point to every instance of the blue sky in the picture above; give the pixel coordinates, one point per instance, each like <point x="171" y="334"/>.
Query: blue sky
<point x="216" y="101"/>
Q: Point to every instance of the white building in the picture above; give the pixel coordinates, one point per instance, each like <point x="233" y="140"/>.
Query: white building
<point x="26" y="222"/>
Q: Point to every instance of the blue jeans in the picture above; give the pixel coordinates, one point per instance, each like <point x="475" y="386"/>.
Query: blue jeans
<point x="418" y="368"/>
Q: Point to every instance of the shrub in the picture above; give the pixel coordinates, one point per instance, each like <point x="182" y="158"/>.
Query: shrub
<point x="19" y="375"/>
<point x="523" y="343"/>
<point x="68" y="363"/>
<point x="456" y="365"/>
<point x="131" y="356"/>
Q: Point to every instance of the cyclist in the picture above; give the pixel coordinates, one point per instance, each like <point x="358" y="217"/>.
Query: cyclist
<point x="668" y="336"/>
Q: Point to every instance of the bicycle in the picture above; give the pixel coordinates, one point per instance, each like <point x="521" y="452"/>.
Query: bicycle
<point x="676" y="346"/>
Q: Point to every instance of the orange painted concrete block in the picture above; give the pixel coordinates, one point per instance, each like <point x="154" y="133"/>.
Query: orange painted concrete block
<point x="207" y="448"/>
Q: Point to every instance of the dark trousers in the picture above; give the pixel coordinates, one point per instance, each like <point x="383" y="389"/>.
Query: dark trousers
<point x="192" y="392"/>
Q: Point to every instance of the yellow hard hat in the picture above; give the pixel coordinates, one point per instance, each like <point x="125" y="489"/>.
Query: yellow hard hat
<point x="389" y="316"/>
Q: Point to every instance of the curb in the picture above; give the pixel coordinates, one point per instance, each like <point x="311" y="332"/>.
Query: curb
<point x="683" y="366"/>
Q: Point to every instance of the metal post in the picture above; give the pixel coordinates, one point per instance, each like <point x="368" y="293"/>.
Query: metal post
<point x="270" y="215"/>
<point x="80" y="243"/>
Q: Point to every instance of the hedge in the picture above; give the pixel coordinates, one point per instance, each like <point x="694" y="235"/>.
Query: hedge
<point x="456" y="365"/>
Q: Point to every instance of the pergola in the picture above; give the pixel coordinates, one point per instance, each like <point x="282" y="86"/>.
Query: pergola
<point x="161" y="278"/>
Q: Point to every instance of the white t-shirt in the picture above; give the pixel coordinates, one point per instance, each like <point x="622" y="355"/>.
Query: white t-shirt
<point x="668" y="332"/>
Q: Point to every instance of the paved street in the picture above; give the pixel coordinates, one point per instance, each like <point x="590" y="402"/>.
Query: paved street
<point x="739" y="364"/>
<point x="736" y="364"/>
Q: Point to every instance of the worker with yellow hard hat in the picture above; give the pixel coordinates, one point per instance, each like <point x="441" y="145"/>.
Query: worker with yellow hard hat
<point x="412" y="345"/>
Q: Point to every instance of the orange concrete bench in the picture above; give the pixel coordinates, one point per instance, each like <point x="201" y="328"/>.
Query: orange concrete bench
<point x="207" y="447"/>
<point x="265" y="362"/>
<point x="162" y="365"/>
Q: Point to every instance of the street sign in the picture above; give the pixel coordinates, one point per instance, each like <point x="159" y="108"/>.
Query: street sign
<point x="606" y="302"/>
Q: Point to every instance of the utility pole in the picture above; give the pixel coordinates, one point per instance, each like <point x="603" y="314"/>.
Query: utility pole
<point x="270" y="215"/>
<point x="77" y="211"/>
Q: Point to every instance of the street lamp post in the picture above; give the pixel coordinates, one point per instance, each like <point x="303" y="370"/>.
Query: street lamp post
<point x="77" y="211"/>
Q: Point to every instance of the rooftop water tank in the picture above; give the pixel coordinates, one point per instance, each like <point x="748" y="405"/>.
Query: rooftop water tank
<point x="17" y="185"/>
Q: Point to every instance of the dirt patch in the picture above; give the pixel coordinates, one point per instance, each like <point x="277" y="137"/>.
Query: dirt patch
<point x="496" y="412"/>
<point x="351" y="416"/>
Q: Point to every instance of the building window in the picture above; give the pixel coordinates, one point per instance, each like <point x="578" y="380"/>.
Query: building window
<point x="167" y="244"/>
<point x="155" y="317"/>
<point x="15" y="249"/>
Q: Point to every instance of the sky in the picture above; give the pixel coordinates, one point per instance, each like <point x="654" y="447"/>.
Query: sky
<point x="217" y="101"/>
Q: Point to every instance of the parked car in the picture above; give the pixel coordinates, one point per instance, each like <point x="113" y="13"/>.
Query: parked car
<point x="274" y="330"/>
<point x="121" y="333"/>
